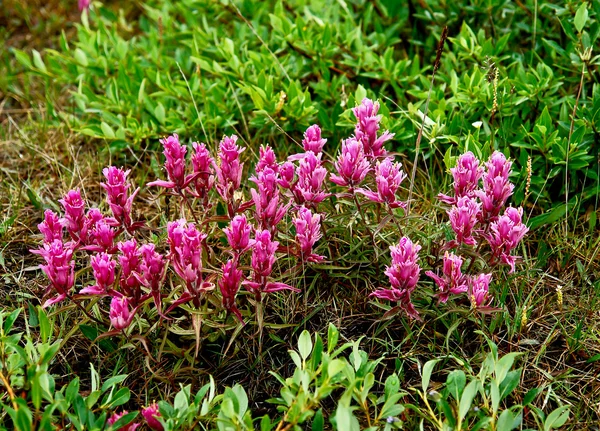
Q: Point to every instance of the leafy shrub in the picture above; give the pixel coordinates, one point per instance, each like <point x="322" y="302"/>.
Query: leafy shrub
<point x="287" y="68"/>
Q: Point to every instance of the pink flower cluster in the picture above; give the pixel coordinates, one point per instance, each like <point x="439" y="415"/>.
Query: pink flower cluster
<point x="474" y="217"/>
<point x="364" y="153"/>
<point x="403" y="274"/>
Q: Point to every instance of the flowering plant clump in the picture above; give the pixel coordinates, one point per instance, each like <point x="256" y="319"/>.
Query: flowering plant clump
<point x="240" y="238"/>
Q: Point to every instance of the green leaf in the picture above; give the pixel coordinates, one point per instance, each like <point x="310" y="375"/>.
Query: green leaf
<point x="124" y="420"/>
<point x="72" y="390"/>
<point x="22" y="57"/>
<point x="581" y="17"/>
<point x="113" y="381"/>
<point x="332" y="337"/>
<point x="455" y="383"/>
<point x="81" y="57"/>
<point x="506" y="421"/>
<point x="557" y="418"/>
<point x="45" y="326"/>
<point x="467" y="399"/>
<point x="38" y="62"/>
<point x="107" y="130"/>
<point x="10" y="320"/>
<point x="318" y="423"/>
<point x="427" y="370"/>
<point x="305" y="344"/>
<point x="159" y="113"/>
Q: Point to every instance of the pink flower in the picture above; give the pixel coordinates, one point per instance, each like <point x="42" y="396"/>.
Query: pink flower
<point x="286" y="175"/>
<point x="367" y="128"/>
<point x="186" y="256"/>
<point x="506" y="233"/>
<point x="59" y="268"/>
<point x="312" y="140"/>
<point x="174" y="165"/>
<point x="496" y="186"/>
<point x="268" y="210"/>
<point x="74" y="219"/>
<point x="238" y="234"/>
<point x="351" y="165"/>
<point x="116" y="416"/>
<point x="229" y="286"/>
<point x="51" y="227"/>
<point x="452" y="281"/>
<point x="103" y="236"/>
<point x="120" y="203"/>
<point x="479" y="290"/>
<point x="263" y="258"/>
<point x="403" y="274"/>
<point x="120" y="313"/>
<point x="84" y="5"/>
<point x="463" y="218"/>
<point x="388" y="176"/>
<point x="311" y="175"/>
<point x="466" y="176"/>
<point x="151" y="414"/>
<point x="151" y="272"/>
<point x="204" y="179"/>
<point x="130" y="263"/>
<point x="103" y="267"/>
<point x="308" y="232"/>
<point x="229" y="172"/>
<point x="266" y="159"/>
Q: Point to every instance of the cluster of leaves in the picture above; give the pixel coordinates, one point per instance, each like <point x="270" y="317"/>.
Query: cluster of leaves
<point x="323" y="373"/>
<point x="258" y="67"/>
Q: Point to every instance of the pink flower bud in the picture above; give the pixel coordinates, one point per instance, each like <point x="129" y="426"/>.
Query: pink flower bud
<point x="403" y="274"/>
<point x="312" y="140"/>
<point x="229" y="286"/>
<point x="186" y="255"/>
<point x="229" y="172"/>
<point x="238" y="234"/>
<point x="479" y="290"/>
<point x="463" y="218"/>
<point x="367" y="128"/>
<point x="59" y="268"/>
<point x="130" y="263"/>
<point x="74" y="218"/>
<point x="452" y="281"/>
<point x="311" y="176"/>
<point x="308" y="232"/>
<point x="506" y="233"/>
<point x="117" y="196"/>
<point x="388" y="176"/>
<point x="268" y="211"/>
<point x="351" y="165"/>
<point x="103" y="267"/>
<point x="120" y="314"/>
<point x="263" y="258"/>
<point x="51" y="227"/>
<point x="202" y="164"/>
<point x="266" y="159"/>
<point x="84" y="5"/>
<point x="151" y="414"/>
<point x="496" y="186"/>
<point x="466" y="176"/>
<point x="286" y="173"/>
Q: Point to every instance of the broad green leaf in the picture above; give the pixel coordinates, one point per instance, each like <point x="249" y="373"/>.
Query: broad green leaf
<point x="557" y="418"/>
<point x="581" y="17"/>
<point x="305" y="344"/>
<point x="427" y="370"/>
<point x="466" y="400"/>
<point x="38" y="62"/>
